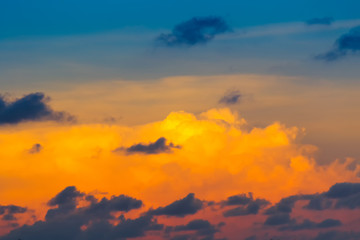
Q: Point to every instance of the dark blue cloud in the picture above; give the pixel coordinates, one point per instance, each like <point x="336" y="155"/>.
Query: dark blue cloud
<point x="278" y="219"/>
<point x="231" y="97"/>
<point x="196" y="31"/>
<point x="159" y="146"/>
<point x="346" y="44"/>
<point x="36" y="148"/>
<point x="31" y="107"/>
<point x="310" y="225"/>
<point x="343" y="190"/>
<point x="202" y="228"/>
<point x="66" y="220"/>
<point x="8" y="212"/>
<point x="320" y="21"/>
<point x="338" y="235"/>
<point x="180" y="208"/>
<point x="248" y="205"/>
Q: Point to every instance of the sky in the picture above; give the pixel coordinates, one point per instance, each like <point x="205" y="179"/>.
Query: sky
<point x="179" y="120"/>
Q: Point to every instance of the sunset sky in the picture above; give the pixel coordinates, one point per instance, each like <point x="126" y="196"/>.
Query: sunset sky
<point x="179" y="120"/>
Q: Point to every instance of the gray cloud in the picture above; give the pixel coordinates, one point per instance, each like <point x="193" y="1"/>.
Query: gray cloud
<point x="248" y="205"/>
<point x="159" y="146"/>
<point x="36" y="148"/>
<point x="344" y="45"/>
<point x="31" y="107"/>
<point x="8" y="212"/>
<point x="231" y="97"/>
<point x="310" y="225"/>
<point x="202" y="228"/>
<point x="196" y="31"/>
<point x="278" y="219"/>
<point x="65" y="221"/>
<point x="338" y="235"/>
<point x="186" y="206"/>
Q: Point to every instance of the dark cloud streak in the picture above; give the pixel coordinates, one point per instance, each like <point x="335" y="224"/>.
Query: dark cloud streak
<point x="31" y="107"/>
<point x="196" y="31"/>
<point x="344" y="45"/>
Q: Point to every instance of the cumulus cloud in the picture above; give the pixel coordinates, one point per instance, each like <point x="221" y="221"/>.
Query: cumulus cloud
<point x="186" y="206"/>
<point x="159" y="146"/>
<point x="320" y="21"/>
<point x="67" y="220"/>
<point x="346" y="44"/>
<point x="196" y="31"/>
<point x="31" y="107"/>
<point x="231" y="97"/>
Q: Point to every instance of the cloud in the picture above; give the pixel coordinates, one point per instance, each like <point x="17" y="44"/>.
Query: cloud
<point x="31" y="107"/>
<point x="337" y="235"/>
<point x="159" y="146"/>
<point x="68" y="219"/>
<point x="344" y="45"/>
<point x="36" y="148"/>
<point x="231" y="97"/>
<point x="114" y="204"/>
<point x="196" y="31"/>
<point x="186" y="206"/>
<point x="248" y="205"/>
<point x="9" y="211"/>
<point x="343" y="190"/>
<point x="200" y="226"/>
<point x="320" y="21"/>
<point x="278" y="219"/>
<point x="285" y="205"/>
<point x="65" y="201"/>
<point x="309" y="225"/>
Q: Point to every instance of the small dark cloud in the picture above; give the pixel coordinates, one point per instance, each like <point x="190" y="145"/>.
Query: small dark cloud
<point x="180" y="208"/>
<point x="199" y="226"/>
<point x="119" y="203"/>
<point x="318" y="202"/>
<point x="320" y="21"/>
<point x="240" y="199"/>
<point x="31" y="107"/>
<point x="251" y="208"/>
<point x="337" y="235"/>
<point x="248" y="205"/>
<point x="344" y="45"/>
<point x="310" y="225"/>
<point x="36" y="148"/>
<point x="285" y="205"/>
<point x="157" y="147"/>
<point x="8" y="212"/>
<point x="231" y="97"/>
<point x="327" y="223"/>
<point x="66" y="202"/>
<point x="343" y="190"/>
<point x="196" y="31"/>
<point x="278" y="219"/>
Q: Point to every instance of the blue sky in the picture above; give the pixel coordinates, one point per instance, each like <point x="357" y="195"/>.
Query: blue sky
<point x="48" y="40"/>
<point x="21" y="18"/>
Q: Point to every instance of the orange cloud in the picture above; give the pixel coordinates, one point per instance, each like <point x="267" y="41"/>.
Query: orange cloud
<point x="219" y="157"/>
